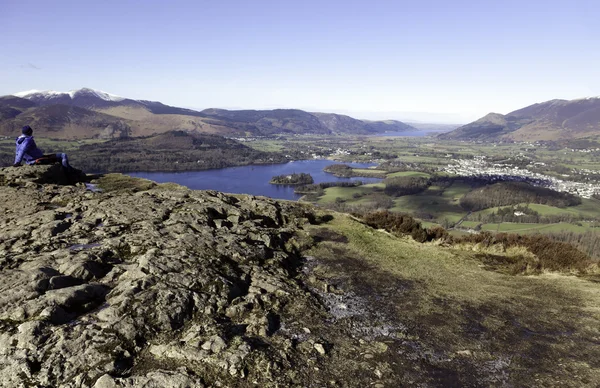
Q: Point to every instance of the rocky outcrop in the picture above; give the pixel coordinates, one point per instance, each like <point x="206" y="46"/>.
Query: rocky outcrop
<point x="51" y="173"/>
<point x="155" y="288"/>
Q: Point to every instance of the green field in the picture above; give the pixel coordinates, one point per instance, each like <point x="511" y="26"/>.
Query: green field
<point x="455" y="192"/>
<point x="435" y="202"/>
<point x="589" y="209"/>
<point x="368" y="172"/>
<point x="536" y="228"/>
<point x="424" y="157"/>
<point x="265" y="146"/>
<point x="408" y="173"/>
<point x="345" y="193"/>
<point x="434" y="205"/>
<point x="438" y="206"/>
<point x="469" y="224"/>
<point x="429" y="224"/>
<point x="379" y="185"/>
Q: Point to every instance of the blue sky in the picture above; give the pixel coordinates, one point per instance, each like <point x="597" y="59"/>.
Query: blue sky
<point x="427" y="60"/>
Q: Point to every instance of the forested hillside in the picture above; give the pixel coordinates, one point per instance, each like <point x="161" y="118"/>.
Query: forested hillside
<point x="172" y="151"/>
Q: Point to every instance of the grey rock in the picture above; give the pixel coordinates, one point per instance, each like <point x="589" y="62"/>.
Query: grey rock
<point x="121" y="290"/>
<point x="156" y="379"/>
<point x="215" y="344"/>
<point x="320" y="348"/>
<point x="30" y="176"/>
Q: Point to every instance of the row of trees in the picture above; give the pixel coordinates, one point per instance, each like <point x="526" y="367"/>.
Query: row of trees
<point x="512" y="193"/>
<point x="405" y="185"/>
<point x="522" y="214"/>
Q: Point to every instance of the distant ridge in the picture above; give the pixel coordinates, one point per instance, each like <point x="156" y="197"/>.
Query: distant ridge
<point x="96" y="99"/>
<point x="550" y="120"/>
<point x="51" y="94"/>
<point x="91" y="113"/>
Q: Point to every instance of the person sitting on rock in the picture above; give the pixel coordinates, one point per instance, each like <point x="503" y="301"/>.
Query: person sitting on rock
<point x="28" y="151"/>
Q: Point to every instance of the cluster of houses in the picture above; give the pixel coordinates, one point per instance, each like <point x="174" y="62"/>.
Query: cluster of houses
<point x="479" y="167"/>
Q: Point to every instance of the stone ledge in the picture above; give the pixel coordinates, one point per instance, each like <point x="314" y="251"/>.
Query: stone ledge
<point x="52" y="173"/>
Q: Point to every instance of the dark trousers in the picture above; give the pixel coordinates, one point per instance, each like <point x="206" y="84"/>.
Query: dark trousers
<point x="54" y="158"/>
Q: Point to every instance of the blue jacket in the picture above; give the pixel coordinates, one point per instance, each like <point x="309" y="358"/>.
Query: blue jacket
<point x="27" y="150"/>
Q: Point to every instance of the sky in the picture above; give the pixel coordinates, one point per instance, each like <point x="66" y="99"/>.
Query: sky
<point x="419" y="60"/>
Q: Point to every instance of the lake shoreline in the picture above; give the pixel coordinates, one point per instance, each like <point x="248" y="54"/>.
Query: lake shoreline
<point x="373" y="162"/>
<point x="252" y="179"/>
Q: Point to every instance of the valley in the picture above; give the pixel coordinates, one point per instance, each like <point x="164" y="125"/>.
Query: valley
<point x="457" y="168"/>
<point x="450" y="171"/>
<point x="316" y="194"/>
<point x="464" y="192"/>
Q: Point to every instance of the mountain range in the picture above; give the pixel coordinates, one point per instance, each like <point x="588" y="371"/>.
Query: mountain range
<point x="89" y="113"/>
<point x="550" y="120"/>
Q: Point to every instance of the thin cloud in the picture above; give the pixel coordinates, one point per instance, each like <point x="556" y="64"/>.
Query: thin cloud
<point x="30" y="66"/>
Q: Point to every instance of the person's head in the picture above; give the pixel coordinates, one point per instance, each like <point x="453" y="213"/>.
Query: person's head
<point x="27" y="131"/>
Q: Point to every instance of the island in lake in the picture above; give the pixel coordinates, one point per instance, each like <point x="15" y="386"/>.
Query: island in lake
<point x="292" y="179"/>
<point x="345" y="171"/>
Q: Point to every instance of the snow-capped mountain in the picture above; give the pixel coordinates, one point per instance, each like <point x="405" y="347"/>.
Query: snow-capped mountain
<point x="98" y="100"/>
<point x="51" y="94"/>
<point x="88" y="112"/>
<point x="85" y="98"/>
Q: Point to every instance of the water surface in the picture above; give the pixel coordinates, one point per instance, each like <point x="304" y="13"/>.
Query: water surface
<point x="416" y="133"/>
<point x="253" y="179"/>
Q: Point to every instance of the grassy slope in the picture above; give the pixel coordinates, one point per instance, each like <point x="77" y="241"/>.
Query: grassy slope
<point x="521" y="228"/>
<point x="368" y="172"/>
<point x="430" y="204"/>
<point x="345" y="193"/>
<point x="409" y="173"/>
<point x="446" y="207"/>
<point x="588" y="208"/>
<point x="467" y="325"/>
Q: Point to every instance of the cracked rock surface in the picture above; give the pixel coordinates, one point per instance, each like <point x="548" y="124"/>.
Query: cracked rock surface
<point x="157" y="288"/>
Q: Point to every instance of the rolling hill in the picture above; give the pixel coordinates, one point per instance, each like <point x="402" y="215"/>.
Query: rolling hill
<point x="89" y="113"/>
<point x="342" y="123"/>
<point x="550" y="120"/>
<point x="169" y="151"/>
<point x="64" y="121"/>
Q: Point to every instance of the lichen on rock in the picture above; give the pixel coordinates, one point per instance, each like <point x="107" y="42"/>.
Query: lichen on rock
<point x="125" y="288"/>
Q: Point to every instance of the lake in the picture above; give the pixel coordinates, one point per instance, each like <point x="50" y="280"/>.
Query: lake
<point x="417" y="133"/>
<point x="253" y="179"/>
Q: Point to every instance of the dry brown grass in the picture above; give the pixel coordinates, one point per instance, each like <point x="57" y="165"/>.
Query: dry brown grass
<point x="544" y="325"/>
